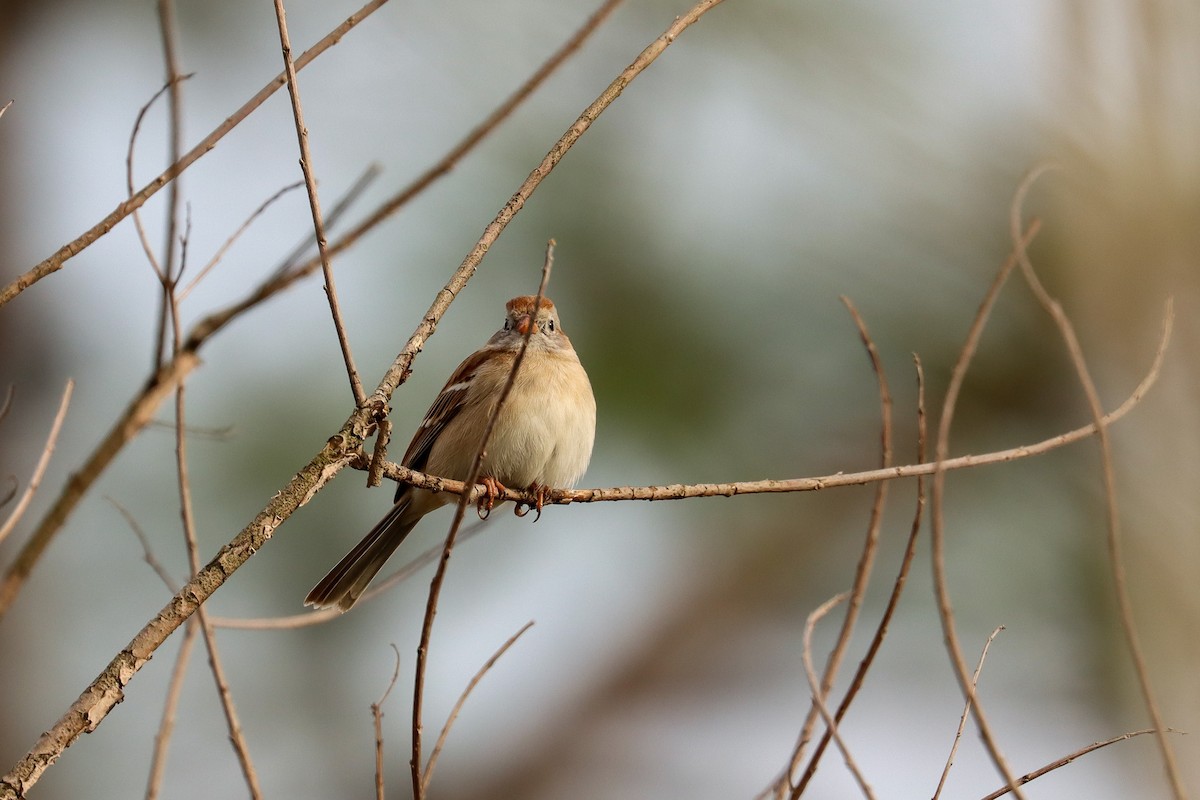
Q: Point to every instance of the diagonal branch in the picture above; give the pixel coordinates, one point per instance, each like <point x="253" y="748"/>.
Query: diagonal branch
<point x="39" y="469"/>
<point x="420" y="781"/>
<point x="314" y="204"/>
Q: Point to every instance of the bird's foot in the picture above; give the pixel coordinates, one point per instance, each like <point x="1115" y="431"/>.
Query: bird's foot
<point x="493" y="489"/>
<point x="540" y="493"/>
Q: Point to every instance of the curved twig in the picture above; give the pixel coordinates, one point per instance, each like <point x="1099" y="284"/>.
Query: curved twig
<point x="39" y="469"/>
<point x="818" y="695"/>
<point x="1113" y="516"/>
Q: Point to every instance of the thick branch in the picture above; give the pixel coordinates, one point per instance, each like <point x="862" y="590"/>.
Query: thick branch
<point x="108" y="689"/>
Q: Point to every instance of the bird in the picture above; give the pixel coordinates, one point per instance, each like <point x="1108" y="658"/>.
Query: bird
<point x="542" y="438"/>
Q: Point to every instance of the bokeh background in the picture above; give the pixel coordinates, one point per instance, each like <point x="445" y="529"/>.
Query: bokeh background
<point x="779" y="155"/>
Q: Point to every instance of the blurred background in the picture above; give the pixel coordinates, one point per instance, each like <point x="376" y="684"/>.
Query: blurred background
<point x="779" y="155"/>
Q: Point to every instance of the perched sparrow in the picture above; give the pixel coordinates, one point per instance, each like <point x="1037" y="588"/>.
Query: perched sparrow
<point x="542" y="439"/>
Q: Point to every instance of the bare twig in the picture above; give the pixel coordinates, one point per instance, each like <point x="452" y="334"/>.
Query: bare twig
<point x="171" y="267"/>
<point x="39" y="469"/>
<point x="937" y="518"/>
<point x="5" y="107"/>
<point x="314" y="203"/>
<point x="1115" y="557"/>
<point x="377" y="714"/>
<point x="966" y="712"/>
<point x="1062" y="762"/>
<point x="224" y="248"/>
<point x="166" y="725"/>
<point x="236" y="736"/>
<point x="862" y="572"/>
<point x="439" y="576"/>
<point x="73" y="248"/>
<point x="288" y="262"/>
<point x="462" y="699"/>
<point x="378" y="588"/>
<point x="147" y="552"/>
<point x="818" y="693"/>
<point x="143" y="237"/>
<point x="898" y="585"/>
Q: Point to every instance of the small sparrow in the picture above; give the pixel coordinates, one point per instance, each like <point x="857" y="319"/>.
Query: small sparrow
<point x="542" y="438"/>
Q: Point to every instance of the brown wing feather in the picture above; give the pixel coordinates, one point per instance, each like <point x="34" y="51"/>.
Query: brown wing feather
<point x="445" y="407"/>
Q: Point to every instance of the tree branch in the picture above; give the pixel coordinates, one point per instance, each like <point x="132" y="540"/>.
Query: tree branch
<point x="314" y="204"/>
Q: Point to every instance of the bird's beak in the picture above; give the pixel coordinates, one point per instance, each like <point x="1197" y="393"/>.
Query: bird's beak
<point x="524" y="323"/>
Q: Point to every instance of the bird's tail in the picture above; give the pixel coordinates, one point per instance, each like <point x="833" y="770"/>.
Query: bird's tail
<point x="346" y="581"/>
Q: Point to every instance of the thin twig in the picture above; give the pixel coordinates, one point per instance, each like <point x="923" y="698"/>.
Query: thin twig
<point x="379" y="587"/>
<point x="143" y="237"/>
<point x="171" y="267"/>
<point x="236" y="736"/>
<point x="377" y="715"/>
<point x="439" y="576"/>
<point x="147" y="552"/>
<point x="1115" y="557"/>
<point x="39" y="469"/>
<point x="343" y="204"/>
<point x="73" y="248"/>
<point x="966" y="712"/>
<point x="866" y="561"/>
<point x="462" y="699"/>
<point x="166" y="725"/>
<point x="314" y="203"/>
<point x="818" y="695"/>
<point x="1062" y="762"/>
<point x="5" y="107"/>
<point x="937" y="518"/>
<point x="910" y="552"/>
<point x="224" y="248"/>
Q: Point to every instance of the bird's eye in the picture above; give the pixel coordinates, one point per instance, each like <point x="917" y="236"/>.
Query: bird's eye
<point x="507" y="323"/>
<point x="550" y="326"/>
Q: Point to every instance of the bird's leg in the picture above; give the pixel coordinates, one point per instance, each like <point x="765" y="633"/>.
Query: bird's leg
<point x="494" y="489"/>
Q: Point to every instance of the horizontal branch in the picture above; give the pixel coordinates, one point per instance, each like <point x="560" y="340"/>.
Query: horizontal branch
<point x="681" y="491"/>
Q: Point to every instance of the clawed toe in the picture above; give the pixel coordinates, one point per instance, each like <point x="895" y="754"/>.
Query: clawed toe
<point x="493" y="489"/>
<point x="540" y="493"/>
